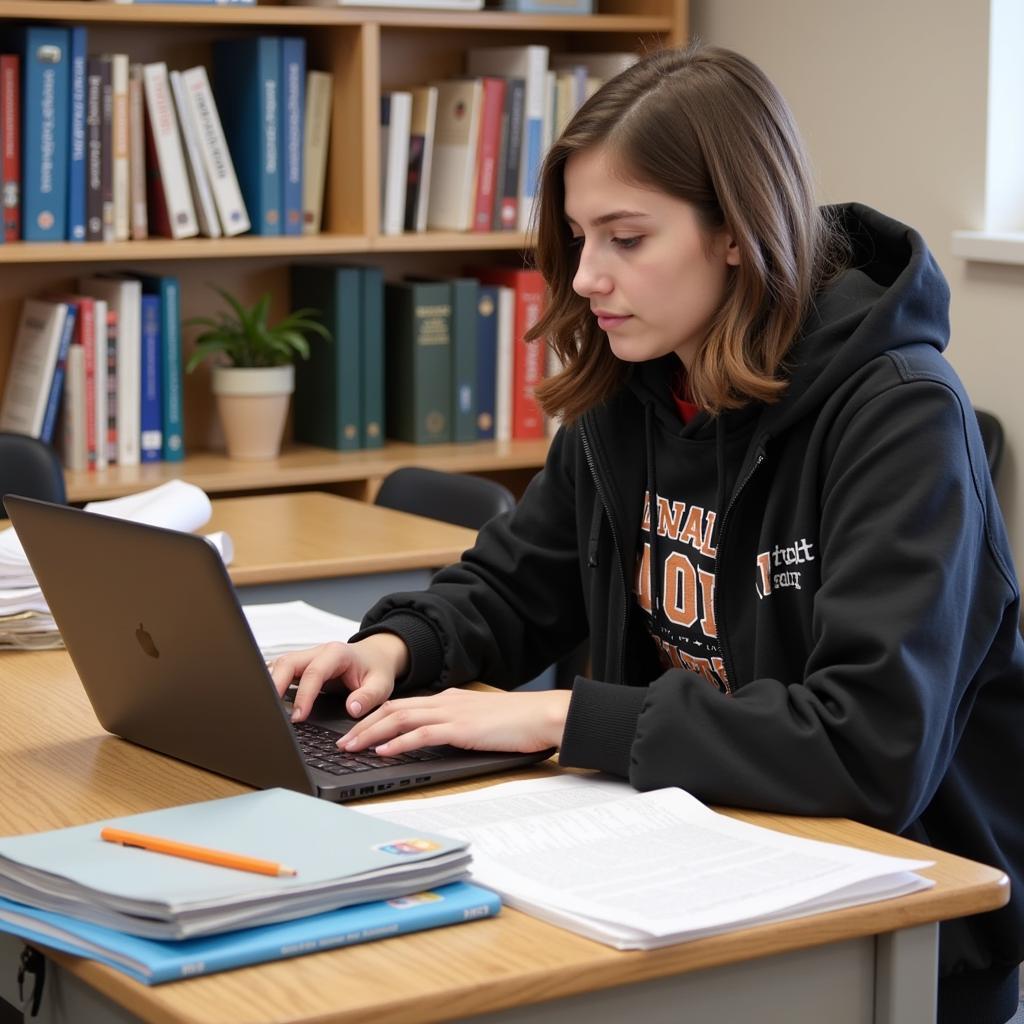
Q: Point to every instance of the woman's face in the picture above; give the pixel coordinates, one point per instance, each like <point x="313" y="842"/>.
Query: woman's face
<point x="653" y="278"/>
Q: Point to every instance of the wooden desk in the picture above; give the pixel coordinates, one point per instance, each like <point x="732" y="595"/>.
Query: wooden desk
<point x="334" y="552"/>
<point x="59" y="768"/>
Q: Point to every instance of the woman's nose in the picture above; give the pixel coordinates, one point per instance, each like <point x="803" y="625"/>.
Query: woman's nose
<point x="589" y="278"/>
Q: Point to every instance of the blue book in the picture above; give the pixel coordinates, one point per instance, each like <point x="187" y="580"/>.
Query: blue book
<point x="373" y="357"/>
<point x="150" y="413"/>
<point x="152" y="961"/>
<point x="464" y="346"/>
<point x="172" y="427"/>
<point x="76" y="164"/>
<point x="293" y="109"/>
<point x="57" y="384"/>
<point x="45" y="137"/>
<point x="486" y="361"/>
<point x="247" y="90"/>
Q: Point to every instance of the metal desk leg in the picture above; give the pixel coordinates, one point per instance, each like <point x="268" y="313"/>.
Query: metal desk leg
<point x="906" y="971"/>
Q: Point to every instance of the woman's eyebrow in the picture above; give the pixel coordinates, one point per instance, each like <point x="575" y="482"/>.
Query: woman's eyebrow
<point x="607" y="218"/>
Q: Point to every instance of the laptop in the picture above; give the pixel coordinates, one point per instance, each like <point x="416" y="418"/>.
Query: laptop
<point x="154" y="628"/>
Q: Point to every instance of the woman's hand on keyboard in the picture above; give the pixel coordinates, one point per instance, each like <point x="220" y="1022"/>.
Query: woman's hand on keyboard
<point x="367" y="668"/>
<point x="464" y="718"/>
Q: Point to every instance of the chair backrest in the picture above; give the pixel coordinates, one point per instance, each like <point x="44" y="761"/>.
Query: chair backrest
<point x="992" y="437"/>
<point x="458" y="498"/>
<point x="30" y="468"/>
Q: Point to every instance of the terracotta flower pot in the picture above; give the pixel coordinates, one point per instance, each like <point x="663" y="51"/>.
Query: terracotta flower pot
<point x="253" y="406"/>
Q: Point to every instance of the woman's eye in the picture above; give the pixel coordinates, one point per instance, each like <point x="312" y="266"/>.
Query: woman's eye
<point x="576" y="242"/>
<point x="627" y="243"/>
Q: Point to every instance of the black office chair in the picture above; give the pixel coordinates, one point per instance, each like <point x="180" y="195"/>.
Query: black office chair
<point x="457" y="498"/>
<point x="30" y="468"/>
<point x="992" y="437"/>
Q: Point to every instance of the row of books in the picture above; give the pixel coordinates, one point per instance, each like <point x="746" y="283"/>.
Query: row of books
<point x="96" y="148"/>
<point x="423" y="361"/>
<point x="464" y="154"/>
<point x="98" y="372"/>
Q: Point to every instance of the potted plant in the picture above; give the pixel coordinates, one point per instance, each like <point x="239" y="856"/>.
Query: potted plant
<point x="253" y="370"/>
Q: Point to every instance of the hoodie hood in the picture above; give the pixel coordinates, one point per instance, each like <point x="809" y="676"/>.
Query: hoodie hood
<point x="891" y="294"/>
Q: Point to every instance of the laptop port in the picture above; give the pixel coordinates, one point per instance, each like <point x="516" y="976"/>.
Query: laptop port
<point x="366" y="791"/>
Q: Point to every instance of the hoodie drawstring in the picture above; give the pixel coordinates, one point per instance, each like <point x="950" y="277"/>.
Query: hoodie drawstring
<point x="652" y="519"/>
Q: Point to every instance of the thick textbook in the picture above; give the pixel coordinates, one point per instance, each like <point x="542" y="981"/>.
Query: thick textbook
<point x="341" y="857"/>
<point x="328" y="386"/>
<point x="152" y="961"/>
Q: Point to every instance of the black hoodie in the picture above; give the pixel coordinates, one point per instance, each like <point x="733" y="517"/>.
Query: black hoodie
<point x="887" y="688"/>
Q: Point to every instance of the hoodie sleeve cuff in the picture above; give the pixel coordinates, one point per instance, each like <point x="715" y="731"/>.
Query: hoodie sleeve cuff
<point x="601" y="726"/>
<point x="426" y="652"/>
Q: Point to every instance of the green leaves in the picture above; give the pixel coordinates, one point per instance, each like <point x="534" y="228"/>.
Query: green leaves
<point x="242" y="337"/>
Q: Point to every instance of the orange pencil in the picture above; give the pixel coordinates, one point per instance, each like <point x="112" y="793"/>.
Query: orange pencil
<point x="175" y="849"/>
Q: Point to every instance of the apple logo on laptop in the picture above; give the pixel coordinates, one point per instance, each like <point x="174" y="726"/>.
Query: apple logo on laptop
<point x="146" y="642"/>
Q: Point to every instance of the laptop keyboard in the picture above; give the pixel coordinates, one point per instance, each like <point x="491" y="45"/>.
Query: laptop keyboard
<point x="319" y="750"/>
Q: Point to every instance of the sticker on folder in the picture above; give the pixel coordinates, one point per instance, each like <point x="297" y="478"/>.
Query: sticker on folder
<point x="414" y="900"/>
<point x="407" y="846"/>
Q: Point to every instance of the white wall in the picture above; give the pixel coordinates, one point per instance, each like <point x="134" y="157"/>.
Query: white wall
<point x="890" y="97"/>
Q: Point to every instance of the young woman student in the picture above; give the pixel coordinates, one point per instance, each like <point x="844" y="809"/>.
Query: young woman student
<point x="767" y="507"/>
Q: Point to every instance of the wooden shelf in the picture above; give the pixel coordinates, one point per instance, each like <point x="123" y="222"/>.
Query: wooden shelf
<point x="255" y="246"/>
<point x="303" y="466"/>
<point x="286" y="15"/>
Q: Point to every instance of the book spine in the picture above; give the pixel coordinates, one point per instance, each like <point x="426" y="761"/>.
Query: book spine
<point x="94" y="150"/>
<point x="120" y="148"/>
<point x="57" y="383"/>
<point x="316" y="133"/>
<point x="488" y="145"/>
<point x="246" y="79"/>
<point x="112" y="391"/>
<point x="45" y="134"/>
<point x="395" y="166"/>
<point x="137" y="154"/>
<point x="527" y="419"/>
<point x="100" y="392"/>
<point x="503" y="370"/>
<point x="533" y="132"/>
<point x="10" y="129"/>
<point x="85" y="336"/>
<point x="181" y="212"/>
<point x="293" y="100"/>
<point x="150" y="418"/>
<point x="107" y="147"/>
<point x="73" y="385"/>
<point x="170" y="336"/>
<point x="464" y="296"/>
<point x="206" y="211"/>
<point x="486" y="360"/>
<point x="76" y="156"/>
<point x="328" y="386"/>
<point x="213" y="148"/>
<point x="419" y="375"/>
<point x="507" y="190"/>
<point x="373" y="358"/>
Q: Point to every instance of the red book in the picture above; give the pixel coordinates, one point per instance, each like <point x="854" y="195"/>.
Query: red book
<point x="156" y="200"/>
<point x="488" y="145"/>
<point x="528" y="358"/>
<point x="10" y="157"/>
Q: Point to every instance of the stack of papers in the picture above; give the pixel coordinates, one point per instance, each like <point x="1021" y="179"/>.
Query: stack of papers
<point x="642" y="870"/>
<point x="294" y="626"/>
<point x="25" y="620"/>
<point x="340" y="856"/>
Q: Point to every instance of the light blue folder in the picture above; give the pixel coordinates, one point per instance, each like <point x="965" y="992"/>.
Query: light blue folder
<point x="341" y="857"/>
<point x="152" y="961"/>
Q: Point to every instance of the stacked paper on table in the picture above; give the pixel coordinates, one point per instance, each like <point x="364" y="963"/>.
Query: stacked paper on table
<point x="25" y="620"/>
<point x="642" y="870"/>
<point x="295" y="625"/>
<point x="152" y="960"/>
<point x="341" y="857"/>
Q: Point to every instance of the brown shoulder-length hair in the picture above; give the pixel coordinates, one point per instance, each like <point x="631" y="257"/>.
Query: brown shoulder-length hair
<point x="705" y="125"/>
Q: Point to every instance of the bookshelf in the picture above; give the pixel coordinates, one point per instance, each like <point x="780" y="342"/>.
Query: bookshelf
<point x="367" y="50"/>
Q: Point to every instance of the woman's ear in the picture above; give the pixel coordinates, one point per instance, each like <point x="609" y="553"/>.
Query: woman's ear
<point x="732" y="251"/>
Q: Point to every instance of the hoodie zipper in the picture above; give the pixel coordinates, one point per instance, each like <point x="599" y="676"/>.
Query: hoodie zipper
<point x="726" y="657"/>
<point x="588" y="454"/>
